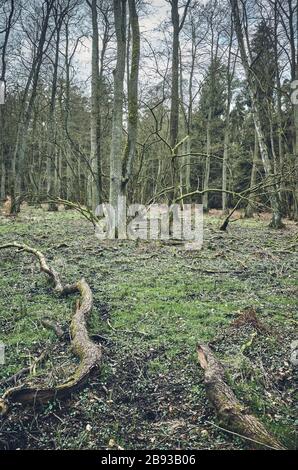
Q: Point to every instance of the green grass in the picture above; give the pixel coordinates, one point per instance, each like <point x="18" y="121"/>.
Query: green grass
<point x="160" y="301"/>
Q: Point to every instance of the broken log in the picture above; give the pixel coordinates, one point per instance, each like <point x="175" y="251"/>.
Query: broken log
<point x="82" y="346"/>
<point x="230" y="411"/>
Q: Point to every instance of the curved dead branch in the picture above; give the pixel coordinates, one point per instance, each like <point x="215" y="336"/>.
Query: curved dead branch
<point x="229" y="410"/>
<point x="88" y="352"/>
<point x="44" y="267"/>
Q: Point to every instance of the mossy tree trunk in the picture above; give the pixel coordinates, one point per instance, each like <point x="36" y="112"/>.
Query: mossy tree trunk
<point x="28" y="106"/>
<point x="177" y="26"/>
<point x="207" y="161"/>
<point x="51" y="189"/>
<point x="230" y="77"/>
<point x="230" y="411"/>
<point x="4" y="45"/>
<point x="249" y="210"/>
<point x="132" y="130"/>
<point x="121" y="162"/>
<point x="95" y="156"/>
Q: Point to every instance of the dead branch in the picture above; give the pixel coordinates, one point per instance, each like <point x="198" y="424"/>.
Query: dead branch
<point x="13" y="379"/>
<point x="230" y="411"/>
<point x="83" y="210"/>
<point x="51" y="325"/>
<point x="53" y="275"/>
<point x="88" y="352"/>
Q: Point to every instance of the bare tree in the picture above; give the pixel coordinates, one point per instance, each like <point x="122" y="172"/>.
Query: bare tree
<point x="40" y="48"/>
<point x="95" y="110"/>
<point x="116" y="145"/>
<point x="121" y="162"/>
<point x="132" y="130"/>
<point x="257" y="111"/>
<point x="230" y="77"/>
<point x="3" y="49"/>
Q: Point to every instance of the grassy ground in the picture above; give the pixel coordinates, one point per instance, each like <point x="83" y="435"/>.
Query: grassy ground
<point x="152" y="304"/>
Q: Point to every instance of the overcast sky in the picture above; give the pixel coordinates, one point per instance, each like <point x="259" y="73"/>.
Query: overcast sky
<point x="158" y="10"/>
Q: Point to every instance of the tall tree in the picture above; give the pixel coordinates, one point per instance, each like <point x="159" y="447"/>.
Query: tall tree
<point x="177" y="26"/>
<point x="4" y="45"/>
<point x="133" y="83"/>
<point x="51" y="187"/>
<point x="40" y="48"/>
<point x="229" y="82"/>
<point x="95" y="160"/>
<point x="117" y="122"/>
<point x="257" y="113"/>
<point x="121" y="162"/>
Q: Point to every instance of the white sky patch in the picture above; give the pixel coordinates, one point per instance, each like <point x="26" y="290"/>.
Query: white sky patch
<point x="159" y="10"/>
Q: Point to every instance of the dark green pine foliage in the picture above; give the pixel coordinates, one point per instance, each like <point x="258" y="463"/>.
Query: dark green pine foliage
<point x="264" y="69"/>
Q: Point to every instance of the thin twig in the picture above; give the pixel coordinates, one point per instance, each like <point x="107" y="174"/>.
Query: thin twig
<point x="240" y="435"/>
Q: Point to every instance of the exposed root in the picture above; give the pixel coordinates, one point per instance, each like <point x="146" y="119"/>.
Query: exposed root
<point x="230" y="411"/>
<point x="88" y="352"/>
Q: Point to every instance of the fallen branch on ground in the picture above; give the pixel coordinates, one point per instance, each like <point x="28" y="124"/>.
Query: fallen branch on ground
<point x="230" y="411"/>
<point x="136" y="332"/>
<point x="51" y="325"/>
<point x="13" y="379"/>
<point x="88" y="352"/>
<point x="44" y="267"/>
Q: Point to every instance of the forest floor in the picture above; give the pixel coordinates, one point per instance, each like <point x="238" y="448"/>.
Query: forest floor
<point x="153" y="302"/>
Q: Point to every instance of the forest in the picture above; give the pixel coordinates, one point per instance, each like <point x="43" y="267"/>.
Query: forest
<point x="148" y="224"/>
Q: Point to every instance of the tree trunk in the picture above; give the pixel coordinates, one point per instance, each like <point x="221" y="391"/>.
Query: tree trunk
<point x="279" y="111"/>
<point x="249" y="211"/>
<point x="174" y="113"/>
<point x="296" y="150"/>
<point x="2" y="158"/>
<point x="116" y="186"/>
<point x="24" y="124"/>
<point x="95" y="157"/>
<point x="51" y="128"/>
<point x="225" y="165"/>
<point x="3" y="181"/>
<point x="132" y="129"/>
<point x="207" y="162"/>
<point x="276" y="221"/>
<point x="2" y="106"/>
<point x="230" y="76"/>
<point x="174" y="117"/>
